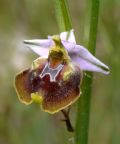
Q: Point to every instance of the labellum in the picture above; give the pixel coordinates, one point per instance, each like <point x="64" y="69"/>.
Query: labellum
<point x="54" y="82"/>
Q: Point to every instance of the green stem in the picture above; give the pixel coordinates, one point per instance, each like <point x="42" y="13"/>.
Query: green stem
<point x="64" y="23"/>
<point x="82" y="120"/>
<point x="62" y="15"/>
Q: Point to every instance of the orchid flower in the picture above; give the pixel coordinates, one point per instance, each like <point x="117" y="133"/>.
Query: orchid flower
<point x="55" y="77"/>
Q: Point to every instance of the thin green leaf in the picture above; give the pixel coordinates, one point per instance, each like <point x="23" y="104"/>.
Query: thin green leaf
<point x="82" y="121"/>
<point x="62" y="15"/>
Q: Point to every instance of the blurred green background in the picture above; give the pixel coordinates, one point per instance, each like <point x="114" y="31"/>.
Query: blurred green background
<point x="28" y="19"/>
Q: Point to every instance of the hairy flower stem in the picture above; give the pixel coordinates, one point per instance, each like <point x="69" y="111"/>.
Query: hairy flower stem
<point x="67" y="120"/>
<point x="82" y="121"/>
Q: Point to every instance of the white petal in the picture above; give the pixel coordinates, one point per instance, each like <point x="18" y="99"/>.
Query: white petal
<point x="87" y="66"/>
<point x="85" y="59"/>
<point x="89" y="62"/>
<point x="68" y="36"/>
<point x="39" y="46"/>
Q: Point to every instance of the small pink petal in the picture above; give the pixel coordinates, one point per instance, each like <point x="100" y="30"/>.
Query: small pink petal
<point x="68" y="36"/>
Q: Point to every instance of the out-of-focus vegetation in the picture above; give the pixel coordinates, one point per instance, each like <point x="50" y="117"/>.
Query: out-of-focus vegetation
<point x="27" y="19"/>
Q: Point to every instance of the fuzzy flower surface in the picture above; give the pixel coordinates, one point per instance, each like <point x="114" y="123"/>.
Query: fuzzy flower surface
<point x="55" y="77"/>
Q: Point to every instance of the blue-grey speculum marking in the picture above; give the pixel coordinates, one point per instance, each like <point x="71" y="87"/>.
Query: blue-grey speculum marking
<point x="51" y="72"/>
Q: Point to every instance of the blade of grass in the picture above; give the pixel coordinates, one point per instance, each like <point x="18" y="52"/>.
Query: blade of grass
<point x="82" y="120"/>
<point x="62" y="15"/>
